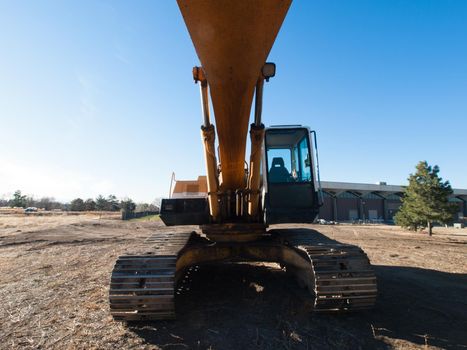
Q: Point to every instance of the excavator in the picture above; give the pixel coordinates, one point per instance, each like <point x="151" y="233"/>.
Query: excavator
<point x="278" y="185"/>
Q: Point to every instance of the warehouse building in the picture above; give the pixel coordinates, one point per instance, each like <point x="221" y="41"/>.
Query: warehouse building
<point x="342" y="201"/>
<point x="350" y="202"/>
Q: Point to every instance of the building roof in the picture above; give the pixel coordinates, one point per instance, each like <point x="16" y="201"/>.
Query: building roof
<point x="382" y="188"/>
<point x="198" y="188"/>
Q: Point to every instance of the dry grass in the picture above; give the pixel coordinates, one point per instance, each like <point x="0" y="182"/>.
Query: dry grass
<point x="54" y="274"/>
<point x="9" y="210"/>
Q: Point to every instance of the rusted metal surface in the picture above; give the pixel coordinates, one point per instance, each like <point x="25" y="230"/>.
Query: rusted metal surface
<point x="232" y="40"/>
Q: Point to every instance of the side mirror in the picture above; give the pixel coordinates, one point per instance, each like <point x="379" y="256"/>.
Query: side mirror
<point x="268" y="70"/>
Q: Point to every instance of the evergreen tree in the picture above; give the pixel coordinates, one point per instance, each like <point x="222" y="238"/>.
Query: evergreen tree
<point x="101" y="203"/>
<point x="18" y="200"/>
<point x="426" y="200"/>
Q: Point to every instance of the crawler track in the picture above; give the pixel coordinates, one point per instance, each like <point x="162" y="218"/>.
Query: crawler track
<point x="343" y="277"/>
<point x="142" y="287"/>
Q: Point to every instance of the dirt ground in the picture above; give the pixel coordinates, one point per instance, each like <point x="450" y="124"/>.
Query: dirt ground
<point x="54" y="275"/>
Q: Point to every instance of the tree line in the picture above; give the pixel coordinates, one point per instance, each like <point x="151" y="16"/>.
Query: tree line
<point x="425" y="201"/>
<point x="100" y="203"/>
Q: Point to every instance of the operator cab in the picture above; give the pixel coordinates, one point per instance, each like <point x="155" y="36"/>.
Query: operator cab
<point x="288" y="174"/>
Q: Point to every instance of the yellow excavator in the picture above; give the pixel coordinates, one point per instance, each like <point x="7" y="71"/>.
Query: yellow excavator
<point x="242" y="199"/>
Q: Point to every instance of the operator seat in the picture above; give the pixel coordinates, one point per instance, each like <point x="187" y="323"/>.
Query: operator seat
<point x="278" y="172"/>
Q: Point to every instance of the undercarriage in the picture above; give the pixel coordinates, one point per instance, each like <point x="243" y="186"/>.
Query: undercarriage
<point x="144" y="287"/>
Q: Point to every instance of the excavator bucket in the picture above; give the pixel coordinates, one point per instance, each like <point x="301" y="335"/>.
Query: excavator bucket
<point x="232" y="39"/>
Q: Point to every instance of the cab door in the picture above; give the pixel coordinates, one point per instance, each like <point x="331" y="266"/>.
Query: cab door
<point x="288" y="173"/>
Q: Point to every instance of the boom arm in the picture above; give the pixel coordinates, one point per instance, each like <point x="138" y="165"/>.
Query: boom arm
<point x="232" y="40"/>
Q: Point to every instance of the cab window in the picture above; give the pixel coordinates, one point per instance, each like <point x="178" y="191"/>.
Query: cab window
<point x="279" y="165"/>
<point x="288" y="156"/>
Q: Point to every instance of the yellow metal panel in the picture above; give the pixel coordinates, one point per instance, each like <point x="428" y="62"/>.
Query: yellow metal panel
<point x="232" y="40"/>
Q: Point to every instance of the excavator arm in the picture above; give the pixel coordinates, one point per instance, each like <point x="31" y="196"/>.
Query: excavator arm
<point x="232" y="40"/>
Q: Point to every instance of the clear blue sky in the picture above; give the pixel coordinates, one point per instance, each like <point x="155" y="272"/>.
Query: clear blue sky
<point x="97" y="96"/>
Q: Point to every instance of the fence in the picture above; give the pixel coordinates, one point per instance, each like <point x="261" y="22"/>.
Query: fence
<point x="135" y="215"/>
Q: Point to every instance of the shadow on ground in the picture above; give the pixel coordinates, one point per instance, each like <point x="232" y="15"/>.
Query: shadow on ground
<point x="242" y="306"/>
